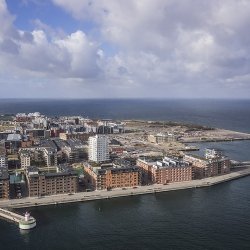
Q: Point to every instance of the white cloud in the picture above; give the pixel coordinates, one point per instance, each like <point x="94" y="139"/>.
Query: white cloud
<point x="71" y="56"/>
<point x="162" y="47"/>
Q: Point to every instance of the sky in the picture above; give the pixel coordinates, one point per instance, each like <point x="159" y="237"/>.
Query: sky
<point x="124" y="49"/>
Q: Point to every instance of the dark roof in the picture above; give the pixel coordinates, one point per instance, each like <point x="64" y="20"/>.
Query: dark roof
<point x="118" y="169"/>
<point x="4" y="175"/>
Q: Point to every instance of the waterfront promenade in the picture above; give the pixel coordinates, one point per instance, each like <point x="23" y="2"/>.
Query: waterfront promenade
<point x="103" y="194"/>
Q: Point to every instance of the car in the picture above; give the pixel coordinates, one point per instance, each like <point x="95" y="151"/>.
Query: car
<point x="124" y="188"/>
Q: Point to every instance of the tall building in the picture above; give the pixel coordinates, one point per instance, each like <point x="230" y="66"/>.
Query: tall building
<point x="98" y="148"/>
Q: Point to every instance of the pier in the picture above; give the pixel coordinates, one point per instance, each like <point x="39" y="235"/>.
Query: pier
<point x="10" y="215"/>
<point x="24" y="222"/>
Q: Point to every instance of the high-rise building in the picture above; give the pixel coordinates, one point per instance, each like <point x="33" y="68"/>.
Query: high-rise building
<point x="98" y="148"/>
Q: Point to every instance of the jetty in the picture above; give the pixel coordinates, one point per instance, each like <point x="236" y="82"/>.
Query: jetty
<point x="24" y="222"/>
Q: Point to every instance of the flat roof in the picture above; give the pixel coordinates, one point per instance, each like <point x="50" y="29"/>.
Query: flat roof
<point x="4" y="175"/>
<point x="14" y="137"/>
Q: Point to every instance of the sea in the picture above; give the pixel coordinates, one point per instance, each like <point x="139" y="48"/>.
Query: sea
<point x="215" y="217"/>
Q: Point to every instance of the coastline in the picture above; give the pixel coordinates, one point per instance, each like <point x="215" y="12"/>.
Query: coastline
<point x="141" y="190"/>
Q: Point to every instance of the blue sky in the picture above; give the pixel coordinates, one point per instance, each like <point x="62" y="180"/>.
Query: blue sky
<point x="117" y="49"/>
<point x="26" y="12"/>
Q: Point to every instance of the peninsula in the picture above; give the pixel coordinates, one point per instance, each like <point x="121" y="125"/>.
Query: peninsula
<point x="53" y="160"/>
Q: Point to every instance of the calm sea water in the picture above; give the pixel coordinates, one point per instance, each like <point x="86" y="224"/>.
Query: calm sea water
<point x="209" y="218"/>
<point x="230" y="114"/>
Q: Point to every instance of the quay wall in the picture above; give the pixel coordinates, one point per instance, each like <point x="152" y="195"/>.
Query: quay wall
<point x="103" y="194"/>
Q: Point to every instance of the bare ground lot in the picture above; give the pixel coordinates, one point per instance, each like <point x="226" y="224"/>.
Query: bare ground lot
<point x="137" y="144"/>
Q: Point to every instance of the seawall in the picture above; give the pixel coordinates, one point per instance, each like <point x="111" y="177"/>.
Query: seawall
<point x="103" y="194"/>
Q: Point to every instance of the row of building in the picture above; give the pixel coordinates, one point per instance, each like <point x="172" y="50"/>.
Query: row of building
<point x="164" y="171"/>
<point x="110" y="176"/>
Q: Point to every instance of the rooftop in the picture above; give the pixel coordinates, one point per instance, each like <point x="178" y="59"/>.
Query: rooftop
<point x="14" y="137"/>
<point x="62" y="170"/>
<point x="4" y="175"/>
<point x="115" y="169"/>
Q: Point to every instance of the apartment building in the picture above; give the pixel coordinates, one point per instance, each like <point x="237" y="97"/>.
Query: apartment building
<point x="65" y="180"/>
<point x="98" y="148"/>
<point x="3" y="161"/>
<point x="75" y="135"/>
<point x="13" y="143"/>
<point x="145" y="166"/>
<point x="25" y="158"/>
<point x="71" y="154"/>
<point x="167" y="170"/>
<point x="171" y="170"/>
<point x="162" y="138"/>
<point x="4" y="184"/>
<point x="110" y="177"/>
<point x="204" y="167"/>
<point x="50" y="156"/>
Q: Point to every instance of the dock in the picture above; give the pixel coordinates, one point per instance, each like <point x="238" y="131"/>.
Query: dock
<point x="10" y="215"/>
<point x="25" y="222"/>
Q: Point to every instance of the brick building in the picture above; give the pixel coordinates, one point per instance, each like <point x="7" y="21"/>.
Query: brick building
<point x="209" y="166"/>
<point x="111" y="177"/>
<point x="65" y="180"/>
<point x="145" y="166"/>
<point x="4" y="184"/>
<point x="165" y="171"/>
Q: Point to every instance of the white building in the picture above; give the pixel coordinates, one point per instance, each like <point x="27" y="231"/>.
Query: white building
<point x="50" y="157"/>
<point x="3" y="161"/>
<point x="25" y="159"/>
<point x="98" y="148"/>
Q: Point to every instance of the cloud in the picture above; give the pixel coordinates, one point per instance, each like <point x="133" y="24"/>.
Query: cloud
<point x="168" y="42"/>
<point x="160" y="48"/>
<point x="70" y="56"/>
